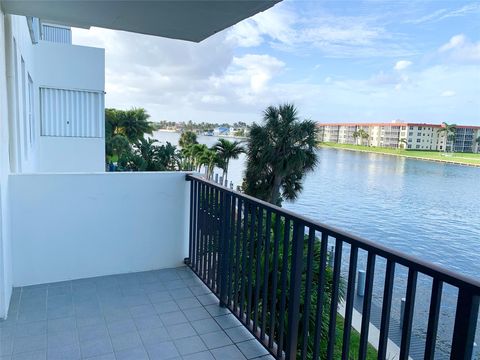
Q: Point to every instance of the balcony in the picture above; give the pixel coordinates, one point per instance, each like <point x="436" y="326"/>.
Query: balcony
<point x="99" y="271"/>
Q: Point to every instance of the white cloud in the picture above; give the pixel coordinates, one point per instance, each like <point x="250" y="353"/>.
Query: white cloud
<point x="461" y="49"/>
<point x="402" y="65"/>
<point x="179" y="80"/>
<point x="454" y="42"/>
<point x="335" y="36"/>
<point x="448" y="93"/>
<point x="442" y="14"/>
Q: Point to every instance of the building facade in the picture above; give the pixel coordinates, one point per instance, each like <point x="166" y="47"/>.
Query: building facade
<point x="413" y="136"/>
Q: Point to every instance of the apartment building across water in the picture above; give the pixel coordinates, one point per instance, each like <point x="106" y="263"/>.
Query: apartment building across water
<point x="413" y="136"/>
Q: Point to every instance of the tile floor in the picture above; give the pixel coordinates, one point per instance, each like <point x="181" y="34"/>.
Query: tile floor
<point x="162" y="314"/>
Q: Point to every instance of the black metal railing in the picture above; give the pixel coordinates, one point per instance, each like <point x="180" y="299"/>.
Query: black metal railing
<point x="273" y="269"/>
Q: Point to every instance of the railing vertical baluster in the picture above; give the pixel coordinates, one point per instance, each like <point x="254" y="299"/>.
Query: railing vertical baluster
<point x="334" y="301"/>
<point x="367" y="306"/>
<point x="295" y="288"/>
<point x="231" y="248"/>
<point x="320" y="296"/>
<point x="433" y="317"/>
<point x="224" y="249"/>
<point x="266" y="273"/>
<point x="408" y="314"/>
<point x="386" y="309"/>
<point x="250" y="264"/>
<point x="308" y="292"/>
<point x="213" y="249"/>
<point x="283" y="283"/>
<point x="273" y="296"/>
<point x="215" y="233"/>
<point x="238" y="242"/>
<point x="190" y="231"/>
<point x="258" y="268"/>
<point x="208" y="233"/>
<point x="466" y="318"/>
<point x="203" y="236"/>
<point x="347" y="327"/>
<point x="245" y="270"/>
<point x="195" y="255"/>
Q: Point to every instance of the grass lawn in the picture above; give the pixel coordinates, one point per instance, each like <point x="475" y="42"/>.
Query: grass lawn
<point x="354" y="343"/>
<point x="464" y="158"/>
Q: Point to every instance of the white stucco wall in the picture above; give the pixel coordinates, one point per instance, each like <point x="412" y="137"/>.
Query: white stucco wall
<point x="5" y="250"/>
<point x="73" y="67"/>
<point x="69" y="226"/>
<point x="69" y="66"/>
<point x="71" y="154"/>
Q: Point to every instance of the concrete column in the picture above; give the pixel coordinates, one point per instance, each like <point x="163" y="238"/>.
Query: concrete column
<point x="402" y="311"/>
<point x="361" y="282"/>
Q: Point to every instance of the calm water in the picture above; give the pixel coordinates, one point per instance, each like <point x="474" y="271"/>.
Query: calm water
<point x="428" y="209"/>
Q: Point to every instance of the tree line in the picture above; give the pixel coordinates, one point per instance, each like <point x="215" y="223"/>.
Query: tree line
<point x="279" y="151"/>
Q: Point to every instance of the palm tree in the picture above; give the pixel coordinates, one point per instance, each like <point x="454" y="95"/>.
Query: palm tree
<point x="279" y="154"/>
<point x="197" y="151"/>
<point x="227" y="150"/>
<point x="402" y="141"/>
<point x="209" y="158"/>
<point x="187" y="138"/>
<point x="448" y="131"/>
<point x="356" y="135"/>
<point x="363" y="135"/>
<point x="134" y="124"/>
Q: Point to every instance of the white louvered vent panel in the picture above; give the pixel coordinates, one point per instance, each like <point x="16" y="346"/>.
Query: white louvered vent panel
<point x="73" y="113"/>
<point x="57" y="34"/>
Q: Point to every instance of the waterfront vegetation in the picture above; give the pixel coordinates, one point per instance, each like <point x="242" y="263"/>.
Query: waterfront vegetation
<point x="280" y="152"/>
<point x="462" y="158"/>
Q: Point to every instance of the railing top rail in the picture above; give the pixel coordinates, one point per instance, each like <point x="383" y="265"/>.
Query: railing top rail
<point x="399" y="257"/>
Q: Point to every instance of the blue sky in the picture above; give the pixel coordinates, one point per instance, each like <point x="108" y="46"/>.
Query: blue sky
<point x="336" y="60"/>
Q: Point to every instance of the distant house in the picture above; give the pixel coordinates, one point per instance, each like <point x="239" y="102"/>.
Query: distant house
<point x="221" y="131"/>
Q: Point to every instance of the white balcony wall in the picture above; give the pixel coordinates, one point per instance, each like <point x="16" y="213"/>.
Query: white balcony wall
<point x="70" y="226"/>
<point x="72" y="81"/>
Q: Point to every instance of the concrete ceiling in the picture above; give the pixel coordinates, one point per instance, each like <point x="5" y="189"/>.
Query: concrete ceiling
<point x="192" y="20"/>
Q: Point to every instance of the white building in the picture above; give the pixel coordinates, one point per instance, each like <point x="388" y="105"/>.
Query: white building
<point x="413" y="136"/>
<point x="57" y="203"/>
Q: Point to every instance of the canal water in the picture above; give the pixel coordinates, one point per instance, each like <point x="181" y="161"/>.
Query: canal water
<point x="427" y="209"/>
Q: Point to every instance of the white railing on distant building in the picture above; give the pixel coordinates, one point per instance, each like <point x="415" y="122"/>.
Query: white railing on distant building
<point x="56" y="33"/>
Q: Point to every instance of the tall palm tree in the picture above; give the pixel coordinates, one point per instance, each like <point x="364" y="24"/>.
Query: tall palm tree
<point x="279" y="154"/>
<point x="448" y="131"/>
<point x="363" y="135"/>
<point x="197" y="151"/>
<point x="227" y="150"/>
<point x="402" y="141"/>
<point x="134" y="124"/>
<point x="209" y="158"/>
<point x="356" y="135"/>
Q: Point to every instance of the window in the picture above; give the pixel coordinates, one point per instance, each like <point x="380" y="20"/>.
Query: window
<point x="31" y="110"/>
<point x="419" y="128"/>
<point x="418" y="140"/>
<point x="419" y="134"/>
<point x="411" y="127"/>
<point x="24" y="109"/>
<point x="417" y="147"/>
<point x="409" y="140"/>
<point x="410" y="133"/>
<point x="409" y="146"/>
